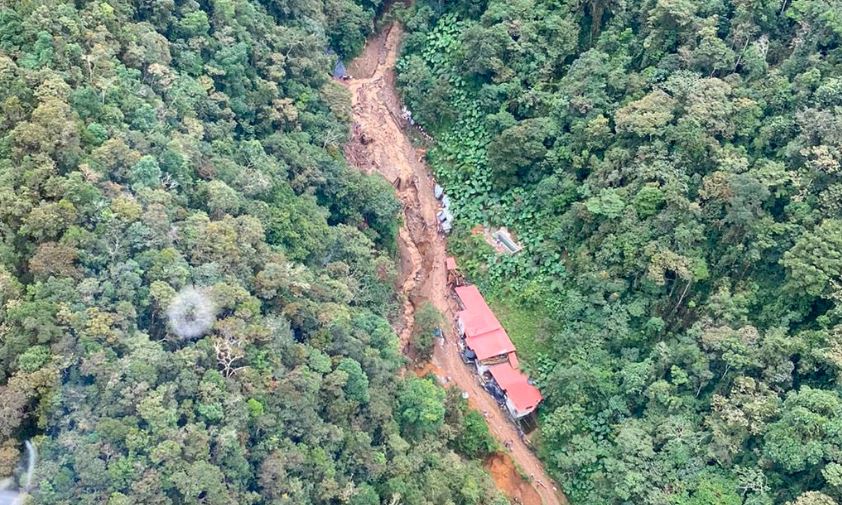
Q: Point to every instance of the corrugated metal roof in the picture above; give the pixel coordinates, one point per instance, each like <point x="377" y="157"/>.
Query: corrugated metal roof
<point x="477" y="316"/>
<point x="487" y="338"/>
<point x="470" y="297"/>
<point x="339" y="70"/>
<point x="523" y="395"/>
<point x="513" y="360"/>
<point x="489" y="344"/>
<point x="477" y="322"/>
<point x="505" y="375"/>
<point x="483" y="332"/>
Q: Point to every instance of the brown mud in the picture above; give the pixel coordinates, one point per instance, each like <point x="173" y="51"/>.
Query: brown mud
<point x="379" y="144"/>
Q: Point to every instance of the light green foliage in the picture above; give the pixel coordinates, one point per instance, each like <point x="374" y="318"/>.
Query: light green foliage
<point x="152" y="149"/>
<point x="523" y="322"/>
<point x="647" y="116"/>
<point x="357" y="385"/>
<point x="420" y="406"/>
<point x="714" y="488"/>
<point x="813" y="498"/>
<point x="673" y="173"/>
<point x="804" y="433"/>
<point x="608" y="203"/>
<point x="221" y="199"/>
<point x="34" y="358"/>
<point x="648" y="201"/>
<point x="815" y="261"/>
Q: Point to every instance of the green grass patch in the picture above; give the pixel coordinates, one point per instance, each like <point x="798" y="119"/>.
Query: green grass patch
<point x="525" y="327"/>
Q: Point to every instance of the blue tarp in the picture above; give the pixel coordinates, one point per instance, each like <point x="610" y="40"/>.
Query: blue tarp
<point x="339" y="70"/>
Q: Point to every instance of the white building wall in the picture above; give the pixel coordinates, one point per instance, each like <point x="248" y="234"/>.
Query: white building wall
<point x="517" y="414"/>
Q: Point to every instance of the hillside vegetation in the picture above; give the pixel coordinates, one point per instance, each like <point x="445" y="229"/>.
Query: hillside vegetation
<point x="672" y="168"/>
<point x="194" y="287"/>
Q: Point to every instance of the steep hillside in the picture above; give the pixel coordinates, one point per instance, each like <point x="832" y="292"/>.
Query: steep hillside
<point x="194" y="287"/>
<point x="672" y="169"/>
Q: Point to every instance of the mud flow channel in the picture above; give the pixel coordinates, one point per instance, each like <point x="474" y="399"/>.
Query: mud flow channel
<point x="379" y="145"/>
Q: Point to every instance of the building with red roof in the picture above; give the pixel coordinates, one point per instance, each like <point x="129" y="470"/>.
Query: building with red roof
<point x="490" y="345"/>
<point x="494" y="352"/>
<point x="477" y="322"/>
<point x="471" y="298"/>
<point x="522" y="398"/>
<point x="482" y="331"/>
<point x="514" y="361"/>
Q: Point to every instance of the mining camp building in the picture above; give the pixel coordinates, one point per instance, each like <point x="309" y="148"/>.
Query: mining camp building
<point x="488" y="345"/>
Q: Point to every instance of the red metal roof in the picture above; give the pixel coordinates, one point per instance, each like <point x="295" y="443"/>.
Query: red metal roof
<point x="505" y="375"/>
<point x="450" y="263"/>
<point x="485" y="336"/>
<point x="513" y="360"/>
<point x="490" y="344"/>
<point x="483" y="332"/>
<point x="471" y="298"/>
<point x="522" y="394"/>
<point x="477" y="317"/>
<point x="478" y="322"/>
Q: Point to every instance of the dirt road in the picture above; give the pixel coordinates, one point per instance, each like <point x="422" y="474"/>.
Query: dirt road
<point x="380" y="145"/>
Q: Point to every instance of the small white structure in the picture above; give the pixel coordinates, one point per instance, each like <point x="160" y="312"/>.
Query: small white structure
<point x="406" y="115"/>
<point x="445" y="220"/>
<point x="504" y="238"/>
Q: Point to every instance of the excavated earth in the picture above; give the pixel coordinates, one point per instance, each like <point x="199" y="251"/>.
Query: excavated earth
<point x="379" y="144"/>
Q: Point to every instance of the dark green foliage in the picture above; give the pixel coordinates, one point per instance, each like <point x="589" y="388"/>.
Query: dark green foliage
<point x="474" y="441"/>
<point x="148" y="147"/>
<point x="672" y="169"/>
<point x="427" y="320"/>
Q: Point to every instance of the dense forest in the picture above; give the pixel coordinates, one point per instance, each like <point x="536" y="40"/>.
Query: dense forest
<point x="672" y="168"/>
<point x="194" y="286"/>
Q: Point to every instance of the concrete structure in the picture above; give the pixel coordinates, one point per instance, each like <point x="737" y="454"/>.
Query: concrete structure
<point x="504" y="238"/>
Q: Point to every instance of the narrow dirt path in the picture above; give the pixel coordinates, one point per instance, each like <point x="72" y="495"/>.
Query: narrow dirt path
<point x="379" y="145"/>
